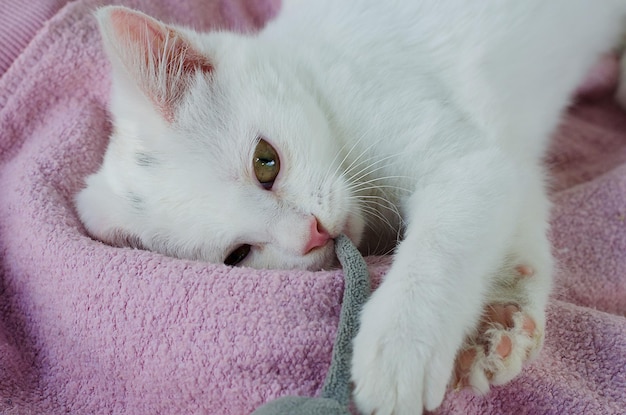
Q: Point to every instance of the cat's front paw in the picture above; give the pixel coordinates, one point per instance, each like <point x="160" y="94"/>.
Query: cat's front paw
<point x="508" y="336"/>
<point x="402" y="358"/>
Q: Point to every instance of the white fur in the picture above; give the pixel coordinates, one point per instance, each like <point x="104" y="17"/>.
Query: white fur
<point x="429" y="117"/>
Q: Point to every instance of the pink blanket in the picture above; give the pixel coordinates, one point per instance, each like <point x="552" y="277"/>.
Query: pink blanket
<point x="90" y="329"/>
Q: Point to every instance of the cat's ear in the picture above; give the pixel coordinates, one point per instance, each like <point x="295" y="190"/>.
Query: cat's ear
<point x="158" y="58"/>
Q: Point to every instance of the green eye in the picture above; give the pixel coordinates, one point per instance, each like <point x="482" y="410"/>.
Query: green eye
<point x="239" y="254"/>
<point x="266" y="164"/>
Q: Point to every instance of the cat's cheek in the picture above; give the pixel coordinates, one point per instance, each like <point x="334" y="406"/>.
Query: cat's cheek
<point x="354" y="227"/>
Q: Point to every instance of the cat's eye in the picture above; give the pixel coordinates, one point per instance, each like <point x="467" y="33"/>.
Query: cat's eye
<point x="266" y="164"/>
<point x="239" y="254"/>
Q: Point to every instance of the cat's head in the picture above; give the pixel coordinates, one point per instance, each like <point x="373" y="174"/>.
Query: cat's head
<point x="217" y="153"/>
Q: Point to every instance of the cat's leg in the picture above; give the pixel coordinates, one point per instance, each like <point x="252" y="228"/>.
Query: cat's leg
<point x="460" y="221"/>
<point x="511" y="330"/>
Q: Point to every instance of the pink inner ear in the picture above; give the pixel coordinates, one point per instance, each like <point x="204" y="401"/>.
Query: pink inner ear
<point x="167" y="57"/>
<point x="193" y="60"/>
<point x="133" y="26"/>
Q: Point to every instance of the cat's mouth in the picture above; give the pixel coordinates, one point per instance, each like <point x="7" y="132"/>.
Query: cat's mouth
<point x="323" y="257"/>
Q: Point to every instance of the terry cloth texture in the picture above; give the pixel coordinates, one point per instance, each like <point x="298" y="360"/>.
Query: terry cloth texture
<point x="86" y="328"/>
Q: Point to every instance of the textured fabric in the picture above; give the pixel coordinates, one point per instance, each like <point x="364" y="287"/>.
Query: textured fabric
<point x="335" y="395"/>
<point x="19" y="21"/>
<point x="356" y="291"/>
<point x="299" y="405"/>
<point x="90" y="329"/>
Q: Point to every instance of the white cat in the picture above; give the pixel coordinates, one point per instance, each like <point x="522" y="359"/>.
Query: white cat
<point x="427" y="118"/>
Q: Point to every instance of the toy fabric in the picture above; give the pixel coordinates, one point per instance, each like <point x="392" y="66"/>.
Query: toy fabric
<point x="335" y="395"/>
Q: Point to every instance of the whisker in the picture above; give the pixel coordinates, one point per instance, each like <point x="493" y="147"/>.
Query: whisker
<point x="368" y="185"/>
<point x="354" y="146"/>
<point x="338" y="166"/>
<point x="378" y="214"/>
<point x="361" y="161"/>
<point x="359" y="175"/>
<point x="371" y="193"/>
<point x="387" y="206"/>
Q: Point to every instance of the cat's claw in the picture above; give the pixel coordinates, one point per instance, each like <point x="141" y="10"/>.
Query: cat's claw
<point x="400" y="365"/>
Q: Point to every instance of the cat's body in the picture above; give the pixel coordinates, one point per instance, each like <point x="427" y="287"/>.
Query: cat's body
<point x="436" y="111"/>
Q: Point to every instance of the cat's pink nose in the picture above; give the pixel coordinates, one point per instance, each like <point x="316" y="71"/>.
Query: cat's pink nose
<point x="318" y="236"/>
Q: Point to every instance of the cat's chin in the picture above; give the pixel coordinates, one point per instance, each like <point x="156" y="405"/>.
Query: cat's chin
<point x="323" y="258"/>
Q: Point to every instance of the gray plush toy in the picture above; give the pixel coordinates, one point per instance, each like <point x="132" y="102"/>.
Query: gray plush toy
<point x="335" y="397"/>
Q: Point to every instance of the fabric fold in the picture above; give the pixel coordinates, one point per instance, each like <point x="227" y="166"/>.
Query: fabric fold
<point x="86" y="328"/>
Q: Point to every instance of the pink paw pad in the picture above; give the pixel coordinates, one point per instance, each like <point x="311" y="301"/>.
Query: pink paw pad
<point x="506" y="337"/>
<point x="525" y="270"/>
